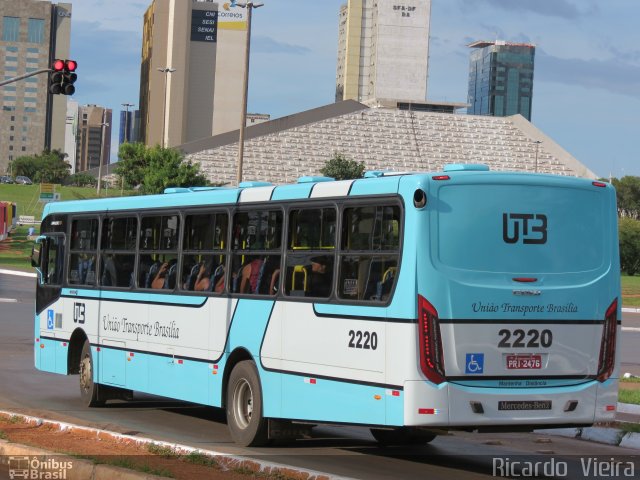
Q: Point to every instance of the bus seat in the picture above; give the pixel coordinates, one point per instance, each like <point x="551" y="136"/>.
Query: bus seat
<point x="190" y="281"/>
<point x="218" y="273"/>
<point x="170" y="279"/>
<point x="151" y="274"/>
<point x="383" y="288"/>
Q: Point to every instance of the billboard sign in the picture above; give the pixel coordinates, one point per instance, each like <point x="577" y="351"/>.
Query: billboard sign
<point x="232" y="17"/>
<point x="204" y="26"/>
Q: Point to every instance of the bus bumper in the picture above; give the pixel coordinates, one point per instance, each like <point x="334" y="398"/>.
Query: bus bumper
<point x="456" y="405"/>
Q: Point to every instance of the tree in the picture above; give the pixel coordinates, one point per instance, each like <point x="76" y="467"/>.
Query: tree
<point x="629" y="232"/>
<point x="156" y="168"/>
<point x="82" y="179"/>
<point x="628" y="193"/>
<point x="132" y="164"/>
<point x="166" y="168"/>
<point x="342" y="168"/>
<point x="47" y="167"/>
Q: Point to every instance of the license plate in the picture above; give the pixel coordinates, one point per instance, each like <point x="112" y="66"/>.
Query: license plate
<point x="525" y="405"/>
<point x="524" y="362"/>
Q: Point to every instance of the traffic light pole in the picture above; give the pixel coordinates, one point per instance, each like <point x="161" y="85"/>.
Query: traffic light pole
<point x="22" y="77"/>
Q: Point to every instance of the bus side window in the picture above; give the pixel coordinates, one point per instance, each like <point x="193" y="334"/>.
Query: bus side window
<point x="369" y="253"/>
<point x="204" y="252"/>
<point x="83" y="252"/>
<point x="256" y="245"/>
<point x="158" y="244"/>
<point x="119" y="239"/>
<point x="310" y="253"/>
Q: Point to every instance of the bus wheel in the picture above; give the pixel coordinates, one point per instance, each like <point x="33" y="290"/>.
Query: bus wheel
<point x="244" y="406"/>
<point x="88" y="389"/>
<point x="402" y="436"/>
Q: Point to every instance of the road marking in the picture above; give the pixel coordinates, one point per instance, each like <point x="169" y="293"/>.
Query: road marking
<point x="8" y="300"/>
<point x="630" y="329"/>
<point x="19" y="274"/>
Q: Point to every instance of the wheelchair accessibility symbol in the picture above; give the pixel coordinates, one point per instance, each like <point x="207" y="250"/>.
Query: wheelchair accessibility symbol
<point x="474" y="363"/>
<point x="49" y="319"/>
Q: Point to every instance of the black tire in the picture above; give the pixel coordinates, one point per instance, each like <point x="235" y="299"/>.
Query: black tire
<point x="89" y="393"/>
<point x="402" y="436"/>
<point x="246" y="422"/>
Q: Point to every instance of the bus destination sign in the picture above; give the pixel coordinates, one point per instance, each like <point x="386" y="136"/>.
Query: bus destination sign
<point x="204" y="26"/>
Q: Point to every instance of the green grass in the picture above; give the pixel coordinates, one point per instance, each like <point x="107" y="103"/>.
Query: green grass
<point x="161" y="450"/>
<point x="3" y="436"/>
<point x="630" y="380"/>
<point x="15" y="251"/>
<point x="198" y="458"/>
<point x="629" y="396"/>
<point x="629" y="427"/>
<point x="631" y="291"/>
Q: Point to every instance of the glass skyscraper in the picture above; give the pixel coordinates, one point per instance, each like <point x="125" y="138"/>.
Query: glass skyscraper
<point x="501" y="79"/>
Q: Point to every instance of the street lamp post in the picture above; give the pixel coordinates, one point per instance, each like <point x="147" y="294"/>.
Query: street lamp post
<point x="537" y="142"/>
<point x="126" y="121"/>
<point x="245" y="90"/>
<point x="102" y="125"/>
<point x="166" y="71"/>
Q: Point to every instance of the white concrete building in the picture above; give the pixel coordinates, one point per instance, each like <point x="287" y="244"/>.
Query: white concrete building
<point x="383" y="50"/>
<point x="383" y="138"/>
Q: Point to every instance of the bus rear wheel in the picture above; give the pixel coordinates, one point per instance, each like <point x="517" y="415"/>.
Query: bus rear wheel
<point x="402" y="436"/>
<point x="88" y="389"/>
<point x="246" y="423"/>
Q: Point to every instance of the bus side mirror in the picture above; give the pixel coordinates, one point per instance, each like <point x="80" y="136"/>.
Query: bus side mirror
<point x="35" y="256"/>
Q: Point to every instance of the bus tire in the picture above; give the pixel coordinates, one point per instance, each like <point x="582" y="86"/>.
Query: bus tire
<point x="247" y="425"/>
<point x="88" y="389"/>
<point x="402" y="436"/>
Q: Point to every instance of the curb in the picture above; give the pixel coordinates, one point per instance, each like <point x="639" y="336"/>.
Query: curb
<point x="89" y="470"/>
<point x="630" y="310"/>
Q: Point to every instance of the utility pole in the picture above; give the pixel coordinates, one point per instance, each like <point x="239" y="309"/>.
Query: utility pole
<point x="245" y="90"/>
<point x="102" y="125"/>
<point x="537" y="142"/>
<point x="166" y="71"/>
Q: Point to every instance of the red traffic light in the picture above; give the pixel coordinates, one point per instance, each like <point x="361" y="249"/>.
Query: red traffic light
<point x="71" y="65"/>
<point x="58" y="65"/>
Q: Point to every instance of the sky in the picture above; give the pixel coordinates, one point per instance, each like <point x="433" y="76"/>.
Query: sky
<point x="586" y="93"/>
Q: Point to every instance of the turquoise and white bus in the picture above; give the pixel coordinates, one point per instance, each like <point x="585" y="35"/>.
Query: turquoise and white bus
<point x="408" y="303"/>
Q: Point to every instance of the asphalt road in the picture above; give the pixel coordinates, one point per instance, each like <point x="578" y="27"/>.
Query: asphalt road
<point x="343" y="451"/>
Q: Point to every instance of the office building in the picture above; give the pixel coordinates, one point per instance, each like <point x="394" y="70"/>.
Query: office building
<point x="200" y="48"/>
<point x="501" y="78"/>
<point x="129" y="126"/>
<point x="383" y="50"/>
<point x="32" y="34"/>
<point x="93" y="137"/>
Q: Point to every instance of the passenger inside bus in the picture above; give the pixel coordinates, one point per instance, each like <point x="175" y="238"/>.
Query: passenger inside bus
<point x="165" y="276"/>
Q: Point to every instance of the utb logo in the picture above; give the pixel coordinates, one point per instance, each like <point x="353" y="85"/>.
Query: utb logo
<point x="531" y="228"/>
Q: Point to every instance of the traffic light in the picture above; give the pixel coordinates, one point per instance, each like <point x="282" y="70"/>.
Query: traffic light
<point x="62" y="77"/>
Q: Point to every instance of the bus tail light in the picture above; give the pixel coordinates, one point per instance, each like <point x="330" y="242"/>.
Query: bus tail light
<point x="608" y="342"/>
<point x="431" y="358"/>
